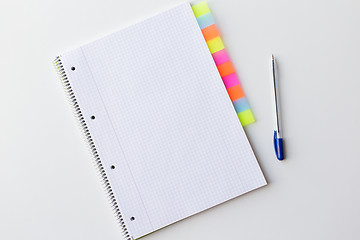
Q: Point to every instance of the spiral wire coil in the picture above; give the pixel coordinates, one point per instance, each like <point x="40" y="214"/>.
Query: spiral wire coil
<point x="90" y="143"/>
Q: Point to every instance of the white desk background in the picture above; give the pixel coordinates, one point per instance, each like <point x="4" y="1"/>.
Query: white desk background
<point x="50" y="189"/>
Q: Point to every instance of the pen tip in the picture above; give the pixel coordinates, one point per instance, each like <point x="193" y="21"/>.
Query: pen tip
<point x="272" y="57"/>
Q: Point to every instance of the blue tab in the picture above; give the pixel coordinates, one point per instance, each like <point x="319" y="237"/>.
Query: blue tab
<point x="205" y="20"/>
<point x="241" y="105"/>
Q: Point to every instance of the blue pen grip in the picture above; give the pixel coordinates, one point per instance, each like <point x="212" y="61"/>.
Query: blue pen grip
<point x="278" y="146"/>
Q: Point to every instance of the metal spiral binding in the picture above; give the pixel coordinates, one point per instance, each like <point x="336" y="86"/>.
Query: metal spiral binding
<point x="87" y="137"/>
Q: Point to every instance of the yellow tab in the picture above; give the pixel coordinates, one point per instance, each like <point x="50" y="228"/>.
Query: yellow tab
<point x="200" y="9"/>
<point x="246" y="117"/>
<point x="215" y="45"/>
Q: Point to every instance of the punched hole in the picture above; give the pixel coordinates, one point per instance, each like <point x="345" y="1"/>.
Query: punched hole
<point x="112" y="167"/>
<point x="92" y="117"/>
<point x="72" y="68"/>
<point x="132" y="219"/>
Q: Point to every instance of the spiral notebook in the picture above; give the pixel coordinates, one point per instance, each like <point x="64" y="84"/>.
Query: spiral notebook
<point x="161" y="127"/>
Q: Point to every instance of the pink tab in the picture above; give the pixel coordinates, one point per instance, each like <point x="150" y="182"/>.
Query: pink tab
<point x="220" y="57"/>
<point x="230" y="80"/>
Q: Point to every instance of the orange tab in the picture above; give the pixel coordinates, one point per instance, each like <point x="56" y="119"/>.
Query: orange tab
<point x="225" y="69"/>
<point x="210" y="32"/>
<point x="235" y="92"/>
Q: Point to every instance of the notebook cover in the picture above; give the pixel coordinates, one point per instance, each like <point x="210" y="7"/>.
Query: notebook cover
<point x="159" y="122"/>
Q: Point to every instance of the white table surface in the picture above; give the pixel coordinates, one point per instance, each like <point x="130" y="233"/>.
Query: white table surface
<point x="49" y="187"/>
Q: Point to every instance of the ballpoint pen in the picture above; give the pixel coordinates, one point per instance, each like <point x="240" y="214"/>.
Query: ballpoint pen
<point x="278" y="141"/>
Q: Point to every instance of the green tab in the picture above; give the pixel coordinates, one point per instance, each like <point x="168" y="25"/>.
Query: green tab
<point x="200" y="9"/>
<point x="246" y="117"/>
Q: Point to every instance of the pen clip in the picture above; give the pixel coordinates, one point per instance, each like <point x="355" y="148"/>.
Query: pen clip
<point x="278" y="147"/>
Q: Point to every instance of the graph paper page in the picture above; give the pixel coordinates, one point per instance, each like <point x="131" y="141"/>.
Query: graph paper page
<point x="162" y="122"/>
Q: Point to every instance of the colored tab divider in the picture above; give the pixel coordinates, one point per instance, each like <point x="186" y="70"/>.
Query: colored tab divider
<point x="223" y="63"/>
